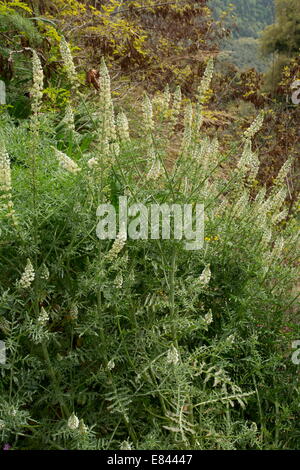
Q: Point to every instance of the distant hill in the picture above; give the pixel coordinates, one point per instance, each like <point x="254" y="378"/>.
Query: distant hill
<point x="251" y="16"/>
<point x="247" y="20"/>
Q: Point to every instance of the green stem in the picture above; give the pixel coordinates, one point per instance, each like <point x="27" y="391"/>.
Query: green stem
<point x="65" y="411"/>
<point x="172" y="295"/>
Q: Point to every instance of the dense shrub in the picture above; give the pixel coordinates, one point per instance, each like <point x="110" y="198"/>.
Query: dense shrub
<point x="141" y="343"/>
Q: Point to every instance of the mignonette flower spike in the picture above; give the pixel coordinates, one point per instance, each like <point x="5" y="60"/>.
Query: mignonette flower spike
<point x="5" y="183"/>
<point x="255" y="126"/>
<point x="73" y="422"/>
<point x="148" y="113"/>
<point x="126" y="445"/>
<point x="118" y="282"/>
<point x="122" y="127"/>
<point x="38" y="82"/>
<point x="117" y="246"/>
<point x="205" y="276"/>
<point x="68" y="119"/>
<point x="155" y="171"/>
<point x="203" y="94"/>
<point x="66" y="162"/>
<point x="108" y="130"/>
<point x="27" y="276"/>
<point x="208" y="318"/>
<point x="43" y="317"/>
<point x="44" y="273"/>
<point x="73" y="311"/>
<point x="205" y="82"/>
<point x="5" y="172"/>
<point x="172" y="355"/>
<point x="92" y="163"/>
<point x="83" y="429"/>
<point x="111" y="364"/>
<point x="68" y="62"/>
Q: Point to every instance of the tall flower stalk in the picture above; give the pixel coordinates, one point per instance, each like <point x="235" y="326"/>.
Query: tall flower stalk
<point x="69" y="66"/>
<point x="6" y="203"/>
<point x="32" y="268"/>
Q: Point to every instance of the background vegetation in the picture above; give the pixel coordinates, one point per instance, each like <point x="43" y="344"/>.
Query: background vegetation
<point x="247" y="19"/>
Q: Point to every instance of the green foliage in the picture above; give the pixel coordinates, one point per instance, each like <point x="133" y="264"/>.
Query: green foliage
<point x="282" y="39"/>
<point x="142" y="343"/>
<point x="18" y="34"/>
<point x="250" y="17"/>
<point x="246" y="19"/>
<point x="244" y="52"/>
<point x="148" y="42"/>
<point x="283" y="36"/>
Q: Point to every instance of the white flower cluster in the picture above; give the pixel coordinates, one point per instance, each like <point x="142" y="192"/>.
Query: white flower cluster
<point x="231" y="339"/>
<point x="241" y="205"/>
<point x="68" y="119"/>
<point x="249" y="161"/>
<point x="118" y="282"/>
<point x="202" y="94"/>
<point x="117" y="246"/>
<point x="5" y="172"/>
<point x="259" y="205"/>
<point x="155" y="171"/>
<point x="255" y="126"/>
<point x="106" y="101"/>
<point x="126" y="445"/>
<point x="105" y="83"/>
<point x="92" y="163"/>
<point x="283" y="172"/>
<point x="172" y="355"/>
<point x="221" y="208"/>
<point x="205" y="82"/>
<point x="111" y="364"/>
<point x="219" y="377"/>
<point x="162" y="101"/>
<point x="5" y="183"/>
<point x="43" y="317"/>
<point x="44" y="273"/>
<point x="27" y="276"/>
<point x="205" y="153"/>
<point x="205" y="276"/>
<point x="122" y="127"/>
<point x="274" y="254"/>
<point x="68" y="62"/>
<point x="107" y="131"/>
<point x="266" y="237"/>
<point x="74" y="311"/>
<point x="208" y="318"/>
<point x="275" y="200"/>
<point x="187" y="134"/>
<point x="73" y="422"/>
<point x="280" y="216"/>
<point x="212" y="152"/>
<point x="278" y="248"/>
<point x="82" y="428"/>
<point x="38" y="82"/>
<point x="148" y="113"/>
<point x="66" y="162"/>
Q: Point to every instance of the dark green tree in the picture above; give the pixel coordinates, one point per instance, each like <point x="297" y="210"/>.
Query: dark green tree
<point x="283" y="36"/>
<point x="249" y="16"/>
